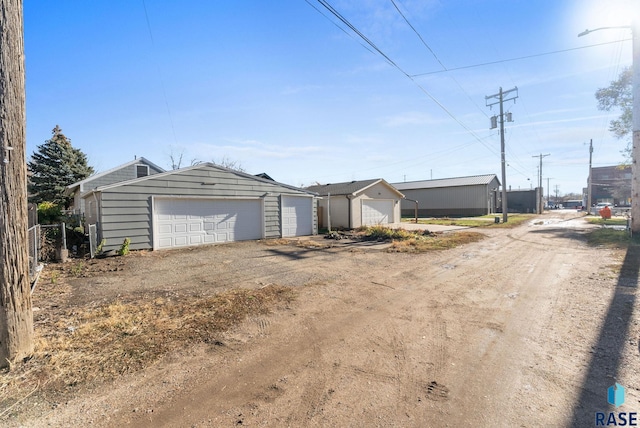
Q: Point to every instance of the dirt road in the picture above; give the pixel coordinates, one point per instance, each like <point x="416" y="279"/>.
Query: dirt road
<point x="528" y="327"/>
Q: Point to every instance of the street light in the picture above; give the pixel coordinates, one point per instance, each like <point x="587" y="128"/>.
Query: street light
<point x="585" y="32"/>
<point x="635" y="91"/>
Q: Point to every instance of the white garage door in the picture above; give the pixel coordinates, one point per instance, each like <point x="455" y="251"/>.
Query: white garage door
<point x="376" y="211"/>
<point x="297" y="216"/>
<point x="187" y="222"/>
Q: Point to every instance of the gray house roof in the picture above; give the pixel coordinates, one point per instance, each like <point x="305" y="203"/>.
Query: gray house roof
<point x="80" y="184"/>
<point x="199" y="166"/>
<point x="473" y="180"/>
<point x="349" y="187"/>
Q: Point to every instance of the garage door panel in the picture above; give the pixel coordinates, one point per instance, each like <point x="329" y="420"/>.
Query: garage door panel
<point x="185" y="222"/>
<point x="377" y="212"/>
<point x="297" y="216"/>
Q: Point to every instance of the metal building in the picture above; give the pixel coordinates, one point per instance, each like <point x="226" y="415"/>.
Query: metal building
<point x="456" y="197"/>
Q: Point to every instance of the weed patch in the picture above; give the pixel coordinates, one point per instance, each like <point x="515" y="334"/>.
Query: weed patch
<point x="433" y="242"/>
<point x="101" y="343"/>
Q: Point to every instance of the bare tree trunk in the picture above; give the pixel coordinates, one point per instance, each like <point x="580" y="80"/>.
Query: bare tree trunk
<point x="16" y="316"/>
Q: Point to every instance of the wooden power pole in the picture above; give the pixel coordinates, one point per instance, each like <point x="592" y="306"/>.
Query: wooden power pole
<point x="16" y="316"/>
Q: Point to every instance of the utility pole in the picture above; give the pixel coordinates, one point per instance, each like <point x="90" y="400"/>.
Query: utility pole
<point x="556" y="188"/>
<point x="16" y="316"/>
<point x="500" y="99"/>
<point x="548" y="194"/>
<point x="540" y="180"/>
<point x="589" y="178"/>
<point x="635" y="90"/>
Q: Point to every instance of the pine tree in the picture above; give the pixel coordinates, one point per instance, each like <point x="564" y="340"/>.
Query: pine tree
<point x="54" y="166"/>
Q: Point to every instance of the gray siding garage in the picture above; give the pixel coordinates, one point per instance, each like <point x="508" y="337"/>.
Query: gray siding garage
<point x="460" y="196"/>
<point x="202" y="204"/>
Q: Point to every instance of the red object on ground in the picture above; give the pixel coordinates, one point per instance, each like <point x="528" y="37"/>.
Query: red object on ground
<point x="605" y="213"/>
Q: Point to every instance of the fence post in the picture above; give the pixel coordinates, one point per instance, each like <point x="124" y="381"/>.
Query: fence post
<point x="64" y="236"/>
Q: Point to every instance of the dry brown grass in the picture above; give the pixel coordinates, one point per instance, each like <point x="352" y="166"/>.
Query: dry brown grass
<point x="436" y="241"/>
<point x="102" y="343"/>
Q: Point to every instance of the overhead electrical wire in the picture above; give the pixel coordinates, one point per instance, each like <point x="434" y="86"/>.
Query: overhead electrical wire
<point x="483" y="111"/>
<point x="483" y="64"/>
<point x="346" y="22"/>
<point x="164" y="92"/>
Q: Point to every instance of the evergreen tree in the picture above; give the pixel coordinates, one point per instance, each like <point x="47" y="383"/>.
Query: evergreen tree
<point x="54" y="166"/>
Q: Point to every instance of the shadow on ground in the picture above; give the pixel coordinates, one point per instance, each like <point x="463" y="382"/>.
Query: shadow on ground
<point x="604" y="368"/>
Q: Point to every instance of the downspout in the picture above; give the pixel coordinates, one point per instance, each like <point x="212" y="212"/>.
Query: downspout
<point x="329" y="212"/>
<point x="416" y="209"/>
<point x="349" y="224"/>
<point x="98" y="217"/>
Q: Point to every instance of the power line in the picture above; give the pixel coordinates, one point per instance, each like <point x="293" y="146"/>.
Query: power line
<point x="437" y="59"/>
<point x="346" y="22"/>
<point x="517" y="58"/>
<point x="164" y="92"/>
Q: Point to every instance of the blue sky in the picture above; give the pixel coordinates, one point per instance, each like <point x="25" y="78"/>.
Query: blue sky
<point x="285" y="88"/>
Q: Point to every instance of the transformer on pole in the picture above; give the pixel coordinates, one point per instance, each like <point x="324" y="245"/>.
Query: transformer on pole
<point x="492" y="100"/>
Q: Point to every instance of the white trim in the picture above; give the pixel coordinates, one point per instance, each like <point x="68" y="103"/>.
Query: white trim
<point x="144" y="165"/>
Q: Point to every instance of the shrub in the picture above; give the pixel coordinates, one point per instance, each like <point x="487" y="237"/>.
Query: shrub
<point x="49" y="213"/>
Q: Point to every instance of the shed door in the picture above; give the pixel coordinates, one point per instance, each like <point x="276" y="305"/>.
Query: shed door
<point x="297" y="216"/>
<point x="375" y="211"/>
<point x="188" y="222"/>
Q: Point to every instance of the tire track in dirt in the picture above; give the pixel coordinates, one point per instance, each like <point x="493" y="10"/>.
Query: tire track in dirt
<point x="455" y="338"/>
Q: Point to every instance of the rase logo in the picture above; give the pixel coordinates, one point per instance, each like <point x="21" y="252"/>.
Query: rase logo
<point x="615" y="397"/>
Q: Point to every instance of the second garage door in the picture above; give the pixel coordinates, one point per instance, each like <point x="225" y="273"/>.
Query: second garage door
<point x="375" y="211"/>
<point x="297" y="216"/>
<point x="187" y="222"/>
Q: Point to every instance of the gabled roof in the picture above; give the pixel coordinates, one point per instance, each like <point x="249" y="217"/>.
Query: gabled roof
<point x="350" y="187"/>
<point x="200" y="166"/>
<point x="473" y="180"/>
<point x="141" y="160"/>
<point x="265" y="175"/>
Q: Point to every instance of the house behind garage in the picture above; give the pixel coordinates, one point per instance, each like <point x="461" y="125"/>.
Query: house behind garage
<point x="139" y="167"/>
<point x="358" y="203"/>
<point x="201" y="204"/>
<point x="460" y="196"/>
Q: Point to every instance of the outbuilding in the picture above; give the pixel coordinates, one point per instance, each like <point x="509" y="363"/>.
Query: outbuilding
<point x="196" y="205"/>
<point x="358" y="203"/>
<point x="460" y="196"/>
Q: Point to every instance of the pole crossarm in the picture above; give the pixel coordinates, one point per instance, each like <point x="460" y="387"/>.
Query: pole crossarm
<point x="500" y="95"/>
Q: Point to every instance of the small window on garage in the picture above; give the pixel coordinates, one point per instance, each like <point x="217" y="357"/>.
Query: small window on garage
<point x="142" y="171"/>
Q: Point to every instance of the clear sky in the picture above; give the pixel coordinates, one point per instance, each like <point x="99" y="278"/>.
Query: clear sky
<point x="284" y="87"/>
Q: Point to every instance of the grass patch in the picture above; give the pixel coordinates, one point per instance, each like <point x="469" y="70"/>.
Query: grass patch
<point x="434" y="242"/>
<point x="610" y="222"/>
<point x="610" y="238"/>
<point x="482" y="221"/>
<point x="418" y="241"/>
<point x="383" y="233"/>
<point x="102" y="343"/>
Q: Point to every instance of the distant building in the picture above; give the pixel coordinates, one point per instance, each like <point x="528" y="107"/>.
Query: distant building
<point x="611" y="184"/>
<point x="523" y="201"/>
<point x="459" y="196"/>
